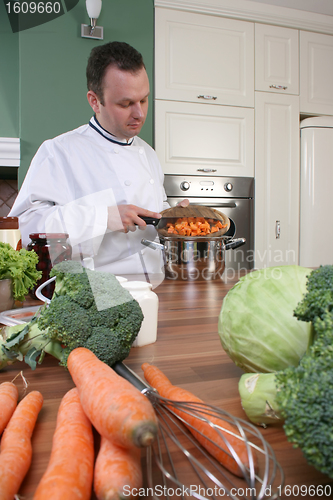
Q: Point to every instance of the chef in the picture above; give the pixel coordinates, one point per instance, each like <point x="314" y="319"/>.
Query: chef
<point x="96" y="181"/>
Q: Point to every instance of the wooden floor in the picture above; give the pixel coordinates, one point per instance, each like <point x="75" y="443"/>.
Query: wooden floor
<point x="189" y="351"/>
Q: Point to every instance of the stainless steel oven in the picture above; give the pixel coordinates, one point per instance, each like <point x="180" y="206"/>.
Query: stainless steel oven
<point x="234" y="196"/>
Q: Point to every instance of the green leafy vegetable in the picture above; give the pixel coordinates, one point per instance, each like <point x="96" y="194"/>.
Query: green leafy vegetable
<point x="20" y="267"/>
<point x="256" y="323"/>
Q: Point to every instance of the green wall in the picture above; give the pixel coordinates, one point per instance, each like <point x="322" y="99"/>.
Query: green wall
<point x="9" y="81"/>
<point x="43" y="90"/>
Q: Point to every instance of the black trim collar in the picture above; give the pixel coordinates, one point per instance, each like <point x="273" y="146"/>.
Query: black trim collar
<point x="103" y="133"/>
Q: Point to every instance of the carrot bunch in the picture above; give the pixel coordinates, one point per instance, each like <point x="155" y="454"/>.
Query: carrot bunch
<point x="124" y="418"/>
<point x="194" y="226"/>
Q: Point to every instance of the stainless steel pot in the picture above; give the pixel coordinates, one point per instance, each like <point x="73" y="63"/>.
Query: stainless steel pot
<point x="194" y="258"/>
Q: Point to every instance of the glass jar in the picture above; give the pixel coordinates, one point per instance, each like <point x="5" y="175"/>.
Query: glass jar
<point x="51" y="248"/>
<point x="10" y="232"/>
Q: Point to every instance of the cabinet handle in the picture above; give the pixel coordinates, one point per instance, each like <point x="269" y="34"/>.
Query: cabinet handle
<point x="208" y="97"/>
<point x="206" y="170"/>
<point x="277" y="229"/>
<point x="281" y="87"/>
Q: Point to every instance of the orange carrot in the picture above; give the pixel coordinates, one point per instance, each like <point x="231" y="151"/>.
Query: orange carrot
<point x="69" y="474"/>
<point x="8" y="402"/>
<point x="194" y="226"/>
<point x="117" y="409"/>
<point x="206" y="435"/>
<point x="16" y="449"/>
<point x="118" y="473"/>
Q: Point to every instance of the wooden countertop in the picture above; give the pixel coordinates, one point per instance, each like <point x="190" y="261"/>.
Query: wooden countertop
<point x="189" y="351"/>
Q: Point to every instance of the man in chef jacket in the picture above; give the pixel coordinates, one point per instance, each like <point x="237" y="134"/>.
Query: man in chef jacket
<point x="94" y="182"/>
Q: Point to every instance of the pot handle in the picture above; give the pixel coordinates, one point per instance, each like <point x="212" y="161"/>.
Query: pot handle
<point x="150" y="220"/>
<point x="38" y="292"/>
<point x="238" y="242"/>
<point x="152" y="244"/>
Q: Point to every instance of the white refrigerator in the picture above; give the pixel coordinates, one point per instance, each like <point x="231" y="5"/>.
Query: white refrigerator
<point x="316" y="196"/>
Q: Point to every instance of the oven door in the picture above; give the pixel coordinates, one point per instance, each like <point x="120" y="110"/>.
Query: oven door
<point x="241" y="212"/>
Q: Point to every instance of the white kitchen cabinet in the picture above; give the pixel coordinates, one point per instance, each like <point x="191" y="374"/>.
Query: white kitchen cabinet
<point x="276" y="179"/>
<point x="316" y="73"/>
<point x="276" y="59"/>
<point x="203" y="58"/>
<point x="202" y="139"/>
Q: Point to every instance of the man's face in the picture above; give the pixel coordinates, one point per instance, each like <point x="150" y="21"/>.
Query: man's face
<point x="125" y="106"/>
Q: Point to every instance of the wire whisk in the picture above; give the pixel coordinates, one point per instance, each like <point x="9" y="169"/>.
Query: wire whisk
<point x="200" y="475"/>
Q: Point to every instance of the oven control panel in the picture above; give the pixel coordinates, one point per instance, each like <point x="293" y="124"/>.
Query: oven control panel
<point x="230" y="187"/>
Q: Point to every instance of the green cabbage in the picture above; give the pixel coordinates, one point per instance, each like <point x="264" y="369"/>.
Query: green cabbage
<point x="256" y="324"/>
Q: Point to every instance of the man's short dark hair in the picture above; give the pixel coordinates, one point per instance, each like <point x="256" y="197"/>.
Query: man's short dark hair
<point x="119" y="54"/>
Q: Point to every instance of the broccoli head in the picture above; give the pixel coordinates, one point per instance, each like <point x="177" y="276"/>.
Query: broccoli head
<point x="88" y="309"/>
<point x="305" y="399"/>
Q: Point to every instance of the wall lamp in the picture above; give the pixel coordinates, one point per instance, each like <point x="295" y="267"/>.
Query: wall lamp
<point x="91" y="30"/>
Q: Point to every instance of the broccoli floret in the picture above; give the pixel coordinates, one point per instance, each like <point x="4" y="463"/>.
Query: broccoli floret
<point x="72" y="280"/>
<point x="319" y="297"/>
<point x="66" y="321"/>
<point x="88" y="309"/>
<point x="118" y="328"/>
<point x="109" y="350"/>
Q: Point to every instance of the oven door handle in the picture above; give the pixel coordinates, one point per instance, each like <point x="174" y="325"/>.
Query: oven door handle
<point x="219" y="205"/>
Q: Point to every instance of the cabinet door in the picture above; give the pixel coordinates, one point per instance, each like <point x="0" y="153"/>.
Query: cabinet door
<point x="316" y="88"/>
<point x="200" y="138"/>
<point x="276" y="59"/>
<point x="201" y="58"/>
<point x="276" y="179"/>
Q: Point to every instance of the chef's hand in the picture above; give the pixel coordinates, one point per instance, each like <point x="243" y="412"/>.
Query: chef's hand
<point x="126" y="218"/>
<point x="183" y="203"/>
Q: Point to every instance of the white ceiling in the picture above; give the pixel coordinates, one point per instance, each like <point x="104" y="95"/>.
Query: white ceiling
<point x="318" y="6"/>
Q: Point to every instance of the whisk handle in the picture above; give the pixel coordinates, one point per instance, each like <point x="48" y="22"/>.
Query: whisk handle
<point x="132" y="377"/>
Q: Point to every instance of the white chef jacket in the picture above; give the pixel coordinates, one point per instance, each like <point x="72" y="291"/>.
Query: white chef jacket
<point x="72" y="180"/>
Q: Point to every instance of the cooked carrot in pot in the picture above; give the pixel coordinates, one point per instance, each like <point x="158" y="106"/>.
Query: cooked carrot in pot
<point x="16" y="449"/>
<point x="206" y="435"/>
<point x="69" y="474"/>
<point x="194" y="226"/>
<point x="118" y="473"/>
<point x="8" y="403"/>
<point x="117" y="409"/>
